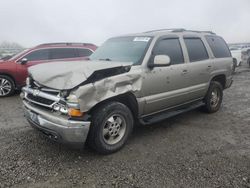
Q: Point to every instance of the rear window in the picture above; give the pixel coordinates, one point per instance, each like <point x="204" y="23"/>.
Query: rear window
<point x="196" y="49"/>
<point x="62" y="53"/>
<point x="218" y="46"/>
<point x="84" y="52"/>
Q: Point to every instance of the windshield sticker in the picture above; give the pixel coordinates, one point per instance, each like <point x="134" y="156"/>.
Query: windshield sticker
<point x="141" y="39"/>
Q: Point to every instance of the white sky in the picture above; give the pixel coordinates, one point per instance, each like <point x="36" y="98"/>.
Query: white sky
<point x="30" y="22"/>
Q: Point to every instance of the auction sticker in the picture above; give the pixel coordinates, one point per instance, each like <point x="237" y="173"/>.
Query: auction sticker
<point x="141" y="39"/>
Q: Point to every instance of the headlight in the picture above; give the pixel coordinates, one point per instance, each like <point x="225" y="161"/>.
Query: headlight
<point x="72" y="98"/>
<point x="60" y="108"/>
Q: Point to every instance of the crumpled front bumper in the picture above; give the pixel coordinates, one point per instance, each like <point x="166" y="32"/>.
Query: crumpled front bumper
<point x="55" y="127"/>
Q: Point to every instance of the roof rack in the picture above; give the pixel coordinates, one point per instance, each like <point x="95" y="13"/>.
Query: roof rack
<point x="65" y="43"/>
<point x="201" y="31"/>
<point x="180" y="30"/>
<point x="171" y="30"/>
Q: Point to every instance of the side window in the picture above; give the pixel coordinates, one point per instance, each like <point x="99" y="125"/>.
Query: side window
<point x="62" y="53"/>
<point x="84" y="52"/>
<point x="196" y="49"/>
<point x="38" y="55"/>
<point x="170" y="47"/>
<point x="218" y="46"/>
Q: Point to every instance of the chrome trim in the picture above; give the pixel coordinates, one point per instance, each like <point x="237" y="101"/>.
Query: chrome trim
<point x="42" y="94"/>
<point x="18" y="59"/>
<point x="35" y="102"/>
<point x="69" y="131"/>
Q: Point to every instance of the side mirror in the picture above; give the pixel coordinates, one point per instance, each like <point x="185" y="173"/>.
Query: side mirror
<point x="23" y="61"/>
<point x="160" y="61"/>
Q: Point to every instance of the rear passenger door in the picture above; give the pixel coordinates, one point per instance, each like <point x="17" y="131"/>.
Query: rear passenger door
<point x="63" y="54"/>
<point x="199" y="67"/>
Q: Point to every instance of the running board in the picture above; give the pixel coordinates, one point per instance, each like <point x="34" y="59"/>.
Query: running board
<point x="169" y="113"/>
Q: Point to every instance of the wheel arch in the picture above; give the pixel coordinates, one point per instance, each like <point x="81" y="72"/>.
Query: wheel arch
<point x="127" y="99"/>
<point x="221" y="78"/>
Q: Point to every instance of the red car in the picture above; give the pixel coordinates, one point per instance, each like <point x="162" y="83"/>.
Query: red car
<point x="13" y="70"/>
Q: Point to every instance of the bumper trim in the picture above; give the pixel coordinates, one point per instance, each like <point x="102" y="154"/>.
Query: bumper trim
<point x="58" y="128"/>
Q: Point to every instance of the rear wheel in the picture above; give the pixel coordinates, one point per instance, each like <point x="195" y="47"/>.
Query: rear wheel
<point x="7" y="86"/>
<point x="214" y="97"/>
<point x="111" y="126"/>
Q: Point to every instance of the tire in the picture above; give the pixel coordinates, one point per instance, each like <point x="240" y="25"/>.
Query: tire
<point x="112" y="124"/>
<point x="7" y="86"/>
<point x="213" y="97"/>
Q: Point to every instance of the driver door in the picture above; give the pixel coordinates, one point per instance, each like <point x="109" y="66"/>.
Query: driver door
<point x="164" y="87"/>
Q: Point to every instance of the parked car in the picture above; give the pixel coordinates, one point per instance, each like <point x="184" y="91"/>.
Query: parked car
<point x="145" y="77"/>
<point x="236" y="54"/>
<point x="241" y="53"/>
<point x="245" y="56"/>
<point x="13" y="70"/>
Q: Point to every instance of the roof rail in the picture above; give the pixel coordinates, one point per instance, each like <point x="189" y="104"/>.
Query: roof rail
<point x="180" y="30"/>
<point x="65" y="43"/>
<point x="202" y="31"/>
<point x="171" y="30"/>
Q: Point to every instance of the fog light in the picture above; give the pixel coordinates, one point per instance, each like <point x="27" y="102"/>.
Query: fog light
<point x="75" y="112"/>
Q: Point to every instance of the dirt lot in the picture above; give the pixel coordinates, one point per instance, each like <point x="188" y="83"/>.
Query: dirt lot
<point x="191" y="150"/>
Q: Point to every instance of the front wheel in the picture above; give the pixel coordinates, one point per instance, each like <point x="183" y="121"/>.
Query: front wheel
<point x="111" y="126"/>
<point x="7" y="86"/>
<point x="214" y="97"/>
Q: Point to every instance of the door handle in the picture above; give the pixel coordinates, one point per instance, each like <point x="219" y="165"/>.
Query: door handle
<point x="209" y="66"/>
<point x="184" y="71"/>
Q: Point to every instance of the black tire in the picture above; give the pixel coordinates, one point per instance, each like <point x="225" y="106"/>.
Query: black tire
<point x="100" y="118"/>
<point x="210" y="105"/>
<point x="11" y="86"/>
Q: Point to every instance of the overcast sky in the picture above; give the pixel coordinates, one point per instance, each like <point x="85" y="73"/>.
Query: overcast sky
<point x="30" y="22"/>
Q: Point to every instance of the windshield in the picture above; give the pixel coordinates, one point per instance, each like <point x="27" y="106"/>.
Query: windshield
<point x="122" y="49"/>
<point x="18" y="54"/>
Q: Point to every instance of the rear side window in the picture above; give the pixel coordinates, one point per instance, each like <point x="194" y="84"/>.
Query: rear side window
<point x="172" y="48"/>
<point x="218" y="46"/>
<point x="38" y="55"/>
<point x="83" y="52"/>
<point x="196" y="49"/>
<point x="62" y="53"/>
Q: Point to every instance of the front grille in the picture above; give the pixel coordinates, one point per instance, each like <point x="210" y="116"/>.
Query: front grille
<point x="40" y="100"/>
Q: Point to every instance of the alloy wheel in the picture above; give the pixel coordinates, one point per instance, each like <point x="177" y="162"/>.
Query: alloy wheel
<point x="114" y="129"/>
<point x="5" y="87"/>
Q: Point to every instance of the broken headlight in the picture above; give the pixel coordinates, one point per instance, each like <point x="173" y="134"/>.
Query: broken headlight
<point x="72" y="98"/>
<point x="60" y="108"/>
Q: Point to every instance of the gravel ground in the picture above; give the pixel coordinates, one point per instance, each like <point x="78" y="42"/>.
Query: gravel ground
<point x="190" y="150"/>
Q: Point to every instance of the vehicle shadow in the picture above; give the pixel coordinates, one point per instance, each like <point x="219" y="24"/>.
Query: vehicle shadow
<point x="139" y="134"/>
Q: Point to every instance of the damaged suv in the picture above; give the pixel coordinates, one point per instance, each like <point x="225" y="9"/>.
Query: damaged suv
<point x="145" y="77"/>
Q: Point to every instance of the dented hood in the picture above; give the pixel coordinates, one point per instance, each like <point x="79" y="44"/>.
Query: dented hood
<point x="67" y="75"/>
